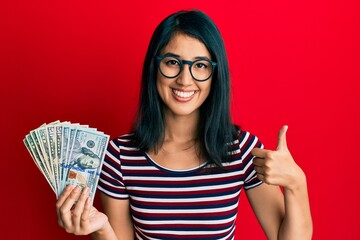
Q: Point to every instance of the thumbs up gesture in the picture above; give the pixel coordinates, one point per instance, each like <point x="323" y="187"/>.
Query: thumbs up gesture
<point x="278" y="167"/>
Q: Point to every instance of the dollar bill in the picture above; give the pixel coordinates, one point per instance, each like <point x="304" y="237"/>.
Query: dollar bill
<point x="64" y="143"/>
<point x="35" y="139"/>
<point x="58" y="145"/>
<point x="29" y="142"/>
<point x="68" y="153"/>
<point x="50" y="131"/>
<point x="44" y="146"/>
<point x="86" y="158"/>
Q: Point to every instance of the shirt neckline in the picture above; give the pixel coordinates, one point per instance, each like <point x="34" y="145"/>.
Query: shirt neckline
<point x="184" y="171"/>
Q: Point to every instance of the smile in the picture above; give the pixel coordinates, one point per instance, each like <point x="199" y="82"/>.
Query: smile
<point x="182" y="94"/>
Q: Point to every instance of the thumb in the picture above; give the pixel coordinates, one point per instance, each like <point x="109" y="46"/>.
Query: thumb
<point x="282" y="138"/>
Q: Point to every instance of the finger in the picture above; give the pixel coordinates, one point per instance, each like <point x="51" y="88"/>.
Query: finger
<point x="65" y="209"/>
<point x="64" y="195"/>
<point x="86" y="212"/>
<point x="258" y="162"/>
<point x="264" y="179"/>
<point x="261" y="177"/>
<point x="259" y="152"/>
<point x="259" y="170"/>
<point x="79" y="207"/>
<point x="282" y="138"/>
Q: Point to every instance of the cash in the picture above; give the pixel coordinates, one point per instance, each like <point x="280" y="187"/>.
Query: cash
<point x="68" y="153"/>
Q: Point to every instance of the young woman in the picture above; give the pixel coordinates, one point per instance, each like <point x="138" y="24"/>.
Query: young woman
<point x="179" y="173"/>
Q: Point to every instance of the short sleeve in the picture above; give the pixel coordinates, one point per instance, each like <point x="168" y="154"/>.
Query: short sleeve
<point x="111" y="180"/>
<point x="247" y="143"/>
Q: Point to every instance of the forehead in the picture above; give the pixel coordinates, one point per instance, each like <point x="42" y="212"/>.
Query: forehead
<point x="187" y="47"/>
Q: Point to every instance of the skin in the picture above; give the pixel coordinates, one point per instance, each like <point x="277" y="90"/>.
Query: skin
<point x="282" y="216"/>
<point x="181" y="113"/>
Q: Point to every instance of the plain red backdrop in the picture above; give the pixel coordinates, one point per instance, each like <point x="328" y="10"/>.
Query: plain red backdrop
<point x="291" y="62"/>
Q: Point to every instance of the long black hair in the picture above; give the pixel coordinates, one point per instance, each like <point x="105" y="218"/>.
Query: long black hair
<point x="216" y="129"/>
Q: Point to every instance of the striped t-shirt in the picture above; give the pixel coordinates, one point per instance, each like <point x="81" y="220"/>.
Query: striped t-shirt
<point x="199" y="203"/>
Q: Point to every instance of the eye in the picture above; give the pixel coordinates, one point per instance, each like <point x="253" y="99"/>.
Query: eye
<point x="202" y="64"/>
<point x="171" y="62"/>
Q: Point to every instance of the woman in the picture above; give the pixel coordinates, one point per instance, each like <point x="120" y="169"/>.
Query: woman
<point x="179" y="174"/>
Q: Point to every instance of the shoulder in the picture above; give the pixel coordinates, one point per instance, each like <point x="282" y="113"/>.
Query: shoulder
<point x="121" y="143"/>
<point x="246" y="140"/>
<point x="123" y="140"/>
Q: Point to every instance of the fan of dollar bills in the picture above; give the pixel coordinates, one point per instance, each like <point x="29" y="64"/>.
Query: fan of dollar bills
<point x="68" y="153"/>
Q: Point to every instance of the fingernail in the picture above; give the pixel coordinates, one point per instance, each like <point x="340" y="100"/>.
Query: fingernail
<point x="85" y="191"/>
<point x="77" y="189"/>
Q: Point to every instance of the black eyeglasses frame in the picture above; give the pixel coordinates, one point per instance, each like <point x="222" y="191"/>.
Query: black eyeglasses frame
<point x="182" y="63"/>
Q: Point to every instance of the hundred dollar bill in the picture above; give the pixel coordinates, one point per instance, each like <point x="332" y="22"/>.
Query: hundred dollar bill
<point x="58" y="152"/>
<point x="43" y="142"/>
<point x="36" y="141"/>
<point x="28" y="141"/>
<point x="50" y="131"/>
<point x="64" y="144"/>
<point x="32" y="154"/>
<point x="72" y="132"/>
<point x="65" y="151"/>
<point x="58" y="148"/>
<point x="86" y="158"/>
<point x="41" y="156"/>
<point x="67" y="138"/>
<point x="32" y="139"/>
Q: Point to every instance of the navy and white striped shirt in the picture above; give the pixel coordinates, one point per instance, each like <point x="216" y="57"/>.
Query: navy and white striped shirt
<point x="199" y="203"/>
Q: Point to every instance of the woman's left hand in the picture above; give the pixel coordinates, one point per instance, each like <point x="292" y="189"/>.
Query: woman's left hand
<point x="278" y="167"/>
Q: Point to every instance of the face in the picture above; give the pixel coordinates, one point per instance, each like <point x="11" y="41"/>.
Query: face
<point x="88" y="162"/>
<point x="183" y="95"/>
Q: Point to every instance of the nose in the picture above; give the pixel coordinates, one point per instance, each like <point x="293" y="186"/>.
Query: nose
<point x="185" y="77"/>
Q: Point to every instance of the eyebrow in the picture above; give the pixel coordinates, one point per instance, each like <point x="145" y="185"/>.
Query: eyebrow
<point x="170" y="54"/>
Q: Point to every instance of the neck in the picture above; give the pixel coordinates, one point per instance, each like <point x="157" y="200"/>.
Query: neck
<point x="181" y="128"/>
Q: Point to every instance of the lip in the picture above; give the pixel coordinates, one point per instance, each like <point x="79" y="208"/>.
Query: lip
<point x="182" y="95"/>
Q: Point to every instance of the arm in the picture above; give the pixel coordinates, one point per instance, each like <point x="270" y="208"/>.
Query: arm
<point x="287" y="216"/>
<point x="297" y="220"/>
<point x="120" y="222"/>
<point x="267" y="203"/>
<point x="281" y="217"/>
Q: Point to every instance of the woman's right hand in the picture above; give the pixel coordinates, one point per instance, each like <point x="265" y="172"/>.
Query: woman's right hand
<point x="80" y="218"/>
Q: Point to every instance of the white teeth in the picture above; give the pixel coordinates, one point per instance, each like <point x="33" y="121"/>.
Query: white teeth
<point x="183" y="94"/>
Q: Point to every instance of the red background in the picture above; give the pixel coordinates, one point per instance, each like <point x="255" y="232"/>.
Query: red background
<point x="292" y="62"/>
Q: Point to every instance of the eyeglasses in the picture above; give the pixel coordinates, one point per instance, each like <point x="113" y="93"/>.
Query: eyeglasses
<point x="171" y="66"/>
